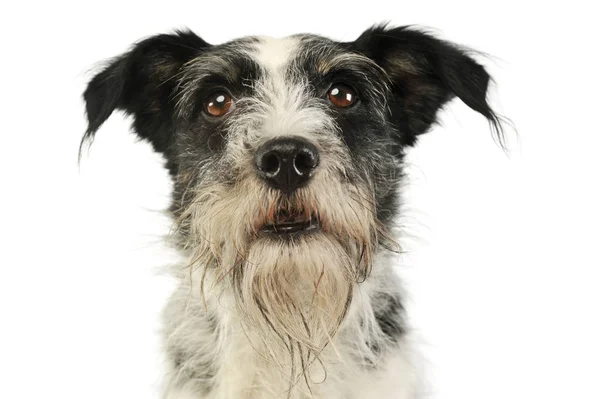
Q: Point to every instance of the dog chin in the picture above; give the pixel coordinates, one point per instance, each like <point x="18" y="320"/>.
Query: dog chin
<point x="295" y="290"/>
<point x="303" y="255"/>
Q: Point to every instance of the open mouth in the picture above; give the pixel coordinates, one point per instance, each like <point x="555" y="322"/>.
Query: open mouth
<point x="287" y="222"/>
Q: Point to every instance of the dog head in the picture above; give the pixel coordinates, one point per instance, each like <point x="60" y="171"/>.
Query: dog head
<point x="286" y="156"/>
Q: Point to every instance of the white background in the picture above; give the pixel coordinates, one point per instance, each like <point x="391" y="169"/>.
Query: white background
<point x="502" y="255"/>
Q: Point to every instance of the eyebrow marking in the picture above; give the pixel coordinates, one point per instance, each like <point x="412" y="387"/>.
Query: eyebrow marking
<point x="347" y="61"/>
<point x="226" y="64"/>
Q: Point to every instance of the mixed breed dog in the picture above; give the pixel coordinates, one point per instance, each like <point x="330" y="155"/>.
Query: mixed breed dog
<point x="287" y="157"/>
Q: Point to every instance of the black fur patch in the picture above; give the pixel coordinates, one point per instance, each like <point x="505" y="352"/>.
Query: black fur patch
<point x="426" y="73"/>
<point x="389" y="315"/>
<point x="143" y="83"/>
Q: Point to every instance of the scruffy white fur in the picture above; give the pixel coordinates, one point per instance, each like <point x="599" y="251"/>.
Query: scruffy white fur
<point x="243" y="373"/>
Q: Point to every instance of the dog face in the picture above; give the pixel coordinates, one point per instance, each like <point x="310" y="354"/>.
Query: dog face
<point x="286" y="157"/>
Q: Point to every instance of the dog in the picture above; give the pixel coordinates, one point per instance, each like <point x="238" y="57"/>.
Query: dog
<point x="286" y="157"/>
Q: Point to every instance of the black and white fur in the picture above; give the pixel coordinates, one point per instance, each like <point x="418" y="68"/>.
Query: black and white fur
<point x="260" y="315"/>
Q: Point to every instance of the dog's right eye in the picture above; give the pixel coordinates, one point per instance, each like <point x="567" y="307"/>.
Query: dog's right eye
<point x="341" y="95"/>
<point x="218" y="104"/>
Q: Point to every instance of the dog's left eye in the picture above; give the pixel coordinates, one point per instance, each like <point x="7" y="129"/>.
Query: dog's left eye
<point x="341" y="96"/>
<point x="218" y="103"/>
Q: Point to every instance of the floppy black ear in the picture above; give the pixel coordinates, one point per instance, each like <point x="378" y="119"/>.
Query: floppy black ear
<point x="425" y="73"/>
<point x="142" y="83"/>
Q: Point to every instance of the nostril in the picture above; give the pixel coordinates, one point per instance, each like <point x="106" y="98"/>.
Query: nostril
<point x="304" y="162"/>
<point x="270" y="164"/>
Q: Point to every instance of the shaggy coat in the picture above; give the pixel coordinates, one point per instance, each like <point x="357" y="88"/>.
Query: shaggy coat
<point x="289" y="290"/>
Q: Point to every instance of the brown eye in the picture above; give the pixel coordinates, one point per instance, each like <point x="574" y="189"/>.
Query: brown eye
<point x="341" y="96"/>
<point x="218" y="104"/>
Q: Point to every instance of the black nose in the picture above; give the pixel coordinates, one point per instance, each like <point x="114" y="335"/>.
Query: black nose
<point x="287" y="163"/>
